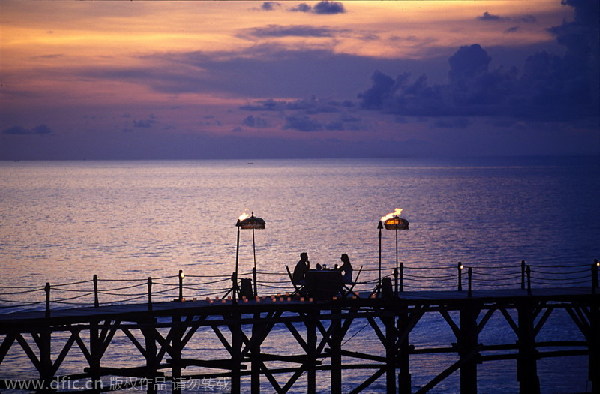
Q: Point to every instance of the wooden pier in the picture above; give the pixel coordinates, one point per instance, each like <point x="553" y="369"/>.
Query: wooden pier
<point x="313" y="338"/>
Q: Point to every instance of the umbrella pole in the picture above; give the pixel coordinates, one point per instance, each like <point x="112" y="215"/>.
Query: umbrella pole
<point x="380" y="227"/>
<point x="254" y="269"/>
<point x="235" y="274"/>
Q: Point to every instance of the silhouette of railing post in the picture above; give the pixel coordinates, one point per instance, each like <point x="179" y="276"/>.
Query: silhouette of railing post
<point x="523" y="267"/>
<point x="528" y="273"/>
<point x="459" y="267"/>
<point x="401" y="277"/>
<point x="47" y="290"/>
<point x="96" y="303"/>
<point x="470" y="293"/>
<point x="180" y="276"/>
<point x="595" y="275"/>
<point x="149" y="293"/>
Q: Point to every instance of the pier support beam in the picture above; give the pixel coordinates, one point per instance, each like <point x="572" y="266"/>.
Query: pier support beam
<point x="258" y="333"/>
<point x="96" y="352"/>
<point x="335" y="343"/>
<point x="468" y="342"/>
<point x="594" y="344"/>
<point x="311" y="344"/>
<point x="527" y="359"/>
<point x="391" y="352"/>
<point x="176" y="347"/>
<point x="236" y="351"/>
<point x="148" y="330"/>
<point x="404" y="328"/>
<point x="44" y="344"/>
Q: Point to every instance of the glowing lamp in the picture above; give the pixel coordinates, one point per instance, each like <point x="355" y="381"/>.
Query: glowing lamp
<point x="251" y="223"/>
<point x="396" y="223"/>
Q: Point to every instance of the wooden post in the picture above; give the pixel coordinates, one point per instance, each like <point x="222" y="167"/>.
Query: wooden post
<point x="528" y="272"/>
<point x="176" y="347"/>
<point x="459" y="267"/>
<point x="401" y="277"/>
<point x="180" y="276"/>
<point x="468" y="343"/>
<point x="236" y="350"/>
<point x="404" y="377"/>
<point x="391" y="352"/>
<point x="594" y="345"/>
<point x="47" y="290"/>
<point x="95" y="354"/>
<point x="311" y="343"/>
<point x="523" y="267"/>
<point x="595" y="276"/>
<point x="45" y="347"/>
<point x="96" y="303"/>
<point x="527" y="358"/>
<point x="149" y="293"/>
<point x="470" y="293"/>
<point x="148" y="331"/>
<point x="396" y="281"/>
<point x="336" y="355"/>
<point x="258" y="332"/>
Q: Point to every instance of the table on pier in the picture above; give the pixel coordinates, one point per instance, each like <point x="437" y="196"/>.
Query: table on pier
<point x="323" y="284"/>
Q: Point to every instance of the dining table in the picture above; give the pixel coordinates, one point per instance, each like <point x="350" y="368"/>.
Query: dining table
<point x="324" y="283"/>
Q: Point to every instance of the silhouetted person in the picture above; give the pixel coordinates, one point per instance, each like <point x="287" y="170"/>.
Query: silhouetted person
<point x="300" y="270"/>
<point x="346" y="269"/>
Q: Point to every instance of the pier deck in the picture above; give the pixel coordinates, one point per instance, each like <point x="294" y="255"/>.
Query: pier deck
<point x="316" y="331"/>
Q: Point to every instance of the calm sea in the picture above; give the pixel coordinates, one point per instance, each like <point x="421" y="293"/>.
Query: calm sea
<point x="62" y="222"/>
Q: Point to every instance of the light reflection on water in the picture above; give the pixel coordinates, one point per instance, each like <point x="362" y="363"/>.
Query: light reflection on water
<point x="65" y="221"/>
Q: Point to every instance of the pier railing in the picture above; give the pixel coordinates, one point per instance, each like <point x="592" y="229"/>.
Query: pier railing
<point x="405" y="278"/>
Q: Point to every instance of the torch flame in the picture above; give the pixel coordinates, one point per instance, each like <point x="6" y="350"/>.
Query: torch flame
<point x="244" y="215"/>
<point x="397" y="212"/>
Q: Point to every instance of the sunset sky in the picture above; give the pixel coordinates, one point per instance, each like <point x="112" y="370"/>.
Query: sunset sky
<point x="231" y="79"/>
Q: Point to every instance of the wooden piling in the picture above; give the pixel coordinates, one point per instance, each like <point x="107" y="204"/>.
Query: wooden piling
<point x="335" y="346"/>
<point x="311" y="343"/>
<point x="594" y="345"/>
<point x="404" y="377"/>
<point x="258" y="333"/>
<point x="236" y="350"/>
<point x="95" y="354"/>
<point x="527" y="358"/>
<point x="468" y="342"/>
<point x="391" y="352"/>
<point x="44" y="342"/>
<point x="47" y="290"/>
<point x="149" y="293"/>
<point x="149" y="331"/>
<point x="177" y="330"/>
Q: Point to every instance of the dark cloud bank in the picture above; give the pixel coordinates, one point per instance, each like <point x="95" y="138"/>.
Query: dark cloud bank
<point x="549" y="87"/>
<point x="323" y="7"/>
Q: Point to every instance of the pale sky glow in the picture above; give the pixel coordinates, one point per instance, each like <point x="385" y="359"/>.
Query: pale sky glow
<point x="269" y="74"/>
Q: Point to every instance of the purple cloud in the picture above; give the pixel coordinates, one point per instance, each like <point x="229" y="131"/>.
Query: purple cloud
<point x="549" y="87"/>
<point x="290" y="31"/>
<point x="329" y="7"/>
<point x="323" y="8"/>
<point x="19" y="130"/>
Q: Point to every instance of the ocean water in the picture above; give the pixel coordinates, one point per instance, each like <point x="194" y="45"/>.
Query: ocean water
<point x="62" y="222"/>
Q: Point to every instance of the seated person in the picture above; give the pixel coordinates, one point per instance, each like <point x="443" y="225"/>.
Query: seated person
<point x="346" y="269"/>
<point x="300" y="270"/>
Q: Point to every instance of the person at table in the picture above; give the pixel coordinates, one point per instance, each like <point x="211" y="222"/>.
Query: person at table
<point x="300" y="270"/>
<point x="346" y="269"/>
